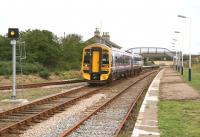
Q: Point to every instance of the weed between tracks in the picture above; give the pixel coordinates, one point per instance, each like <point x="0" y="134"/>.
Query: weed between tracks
<point x="128" y="127"/>
<point x="130" y="124"/>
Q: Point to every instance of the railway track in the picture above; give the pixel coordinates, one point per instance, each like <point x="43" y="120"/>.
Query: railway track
<point x="19" y="117"/>
<point x="42" y="84"/>
<point x="107" y="119"/>
<point x="16" y="120"/>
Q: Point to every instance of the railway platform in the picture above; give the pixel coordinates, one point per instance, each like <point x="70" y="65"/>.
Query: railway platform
<point x="167" y="85"/>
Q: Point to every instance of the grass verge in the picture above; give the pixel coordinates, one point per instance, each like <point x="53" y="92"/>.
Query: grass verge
<point x="195" y="76"/>
<point x="195" y="79"/>
<point x="35" y="78"/>
<point x="179" y="118"/>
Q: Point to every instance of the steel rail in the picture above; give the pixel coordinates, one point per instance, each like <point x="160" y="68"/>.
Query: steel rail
<point x="134" y="103"/>
<point x="73" y="128"/>
<point x="41" y="114"/>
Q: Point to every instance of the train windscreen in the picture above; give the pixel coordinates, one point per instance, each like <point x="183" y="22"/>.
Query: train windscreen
<point x="87" y="57"/>
<point x="105" y="58"/>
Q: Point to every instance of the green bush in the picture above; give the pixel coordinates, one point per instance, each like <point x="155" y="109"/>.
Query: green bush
<point x="72" y="66"/>
<point x="27" y="68"/>
<point x="44" y="74"/>
<point x="5" y="68"/>
<point x="57" y="73"/>
<point x="31" y="68"/>
<point x="75" y="65"/>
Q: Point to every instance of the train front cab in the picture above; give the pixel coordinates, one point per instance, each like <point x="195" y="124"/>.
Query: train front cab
<point x="96" y="64"/>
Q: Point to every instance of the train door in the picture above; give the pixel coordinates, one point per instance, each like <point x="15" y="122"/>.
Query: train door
<point x="95" y="61"/>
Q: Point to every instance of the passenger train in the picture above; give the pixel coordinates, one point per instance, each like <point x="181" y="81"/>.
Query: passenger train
<point x="102" y="64"/>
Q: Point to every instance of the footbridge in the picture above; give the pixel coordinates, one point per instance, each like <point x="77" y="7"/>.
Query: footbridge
<point x="155" y="53"/>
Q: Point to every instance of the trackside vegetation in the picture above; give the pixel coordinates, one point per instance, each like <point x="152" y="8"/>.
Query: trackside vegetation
<point x="45" y="53"/>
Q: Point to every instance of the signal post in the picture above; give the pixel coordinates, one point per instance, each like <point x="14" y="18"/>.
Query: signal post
<point x="13" y="33"/>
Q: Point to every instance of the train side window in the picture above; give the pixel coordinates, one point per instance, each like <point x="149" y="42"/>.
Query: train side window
<point x="112" y="61"/>
<point x="105" y="58"/>
<point x="87" y="57"/>
<point x="116" y="60"/>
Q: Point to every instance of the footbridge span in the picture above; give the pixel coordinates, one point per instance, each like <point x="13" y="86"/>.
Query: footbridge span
<point x="154" y="53"/>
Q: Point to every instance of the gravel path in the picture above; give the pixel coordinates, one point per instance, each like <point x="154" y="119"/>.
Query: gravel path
<point x="56" y="124"/>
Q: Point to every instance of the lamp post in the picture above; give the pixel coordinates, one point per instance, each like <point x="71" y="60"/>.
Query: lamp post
<point x="182" y="67"/>
<point x="176" y="54"/>
<point x="173" y="50"/>
<point x="177" y="32"/>
<point x="189" y="67"/>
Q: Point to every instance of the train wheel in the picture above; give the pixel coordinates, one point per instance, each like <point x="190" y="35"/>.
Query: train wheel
<point x="92" y="84"/>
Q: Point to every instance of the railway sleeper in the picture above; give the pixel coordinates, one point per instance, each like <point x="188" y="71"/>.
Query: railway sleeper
<point x="35" y="109"/>
<point x="29" y="123"/>
<point x="23" y="127"/>
<point x="9" y="120"/>
<point x="15" y="131"/>
<point x="30" y="112"/>
<point x="15" y="117"/>
<point x="20" y="114"/>
<point x="36" y="120"/>
<point x="43" y="118"/>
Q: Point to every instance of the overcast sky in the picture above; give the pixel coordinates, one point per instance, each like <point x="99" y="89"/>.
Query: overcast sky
<point x="131" y="23"/>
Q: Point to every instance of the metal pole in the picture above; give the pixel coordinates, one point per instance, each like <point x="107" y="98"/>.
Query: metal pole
<point x="189" y="42"/>
<point x="179" y="61"/>
<point x="190" y="67"/>
<point x="13" y="44"/>
<point x="176" y="61"/>
<point x="182" y="64"/>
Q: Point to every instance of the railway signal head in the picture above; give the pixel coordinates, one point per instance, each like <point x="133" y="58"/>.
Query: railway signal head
<point x="13" y="33"/>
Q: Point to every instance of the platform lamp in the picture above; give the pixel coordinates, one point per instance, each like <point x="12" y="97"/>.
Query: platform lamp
<point x="177" y="32"/>
<point x="176" y="53"/>
<point x="173" y="49"/>
<point x="189" y="67"/>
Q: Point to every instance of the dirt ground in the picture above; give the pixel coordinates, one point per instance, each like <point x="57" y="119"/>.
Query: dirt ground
<point x="173" y="87"/>
<point x="25" y="79"/>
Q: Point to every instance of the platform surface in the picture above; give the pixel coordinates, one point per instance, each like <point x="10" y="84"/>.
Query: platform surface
<point x="167" y="85"/>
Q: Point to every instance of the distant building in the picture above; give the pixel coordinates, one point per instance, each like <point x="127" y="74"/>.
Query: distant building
<point x="104" y="39"/>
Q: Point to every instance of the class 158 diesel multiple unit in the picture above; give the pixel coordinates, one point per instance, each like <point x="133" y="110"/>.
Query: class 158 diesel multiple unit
<point x="102" y="64"/>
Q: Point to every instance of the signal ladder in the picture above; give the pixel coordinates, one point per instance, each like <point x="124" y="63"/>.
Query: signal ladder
<point x="20" y="55"/>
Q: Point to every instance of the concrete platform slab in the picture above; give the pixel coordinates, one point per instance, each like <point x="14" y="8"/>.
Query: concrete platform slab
<point x="173" y="87"/>
<point x="147" y="123"/>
